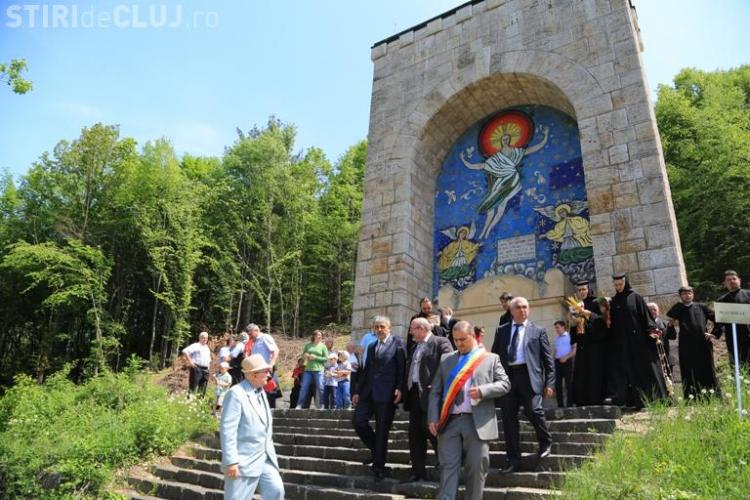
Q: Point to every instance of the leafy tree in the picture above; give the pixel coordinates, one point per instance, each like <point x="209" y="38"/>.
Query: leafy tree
<point x="10" y="73"/>
<point x="72" y="278"/>
<point x="704" y="121"/>
<point x="109" y="250"/>
<point x="335" y="243"/>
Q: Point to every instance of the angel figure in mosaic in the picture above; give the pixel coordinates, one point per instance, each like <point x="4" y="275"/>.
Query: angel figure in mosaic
<point x="455" y="258"/>
<point x="571" y="230"/>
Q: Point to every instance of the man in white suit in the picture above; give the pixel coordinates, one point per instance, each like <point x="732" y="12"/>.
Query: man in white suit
<point x="462" y="412"/>
<point x="248" y="455"/>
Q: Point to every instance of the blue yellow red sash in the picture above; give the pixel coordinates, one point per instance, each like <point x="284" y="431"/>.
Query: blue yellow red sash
<point x="460" y="374"/>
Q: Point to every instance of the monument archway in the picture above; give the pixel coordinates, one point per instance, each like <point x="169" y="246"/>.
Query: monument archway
<point x="435" y="81"/>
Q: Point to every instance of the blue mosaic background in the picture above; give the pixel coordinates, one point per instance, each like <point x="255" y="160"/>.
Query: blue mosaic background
<point x="548" y="177"/>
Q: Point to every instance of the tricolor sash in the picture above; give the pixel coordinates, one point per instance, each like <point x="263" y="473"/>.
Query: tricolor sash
<point x="462" y="372"/>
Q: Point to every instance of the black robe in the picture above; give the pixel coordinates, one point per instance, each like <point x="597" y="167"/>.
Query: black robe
<point x="589" y="371"/>
<point x="743" y="331"/>
<point x="639" y="378"/>
<point x="695" y="352"/>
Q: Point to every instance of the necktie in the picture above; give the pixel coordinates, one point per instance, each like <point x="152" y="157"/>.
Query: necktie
<point x="513" y="349"/>
<point x="262" y="402"/>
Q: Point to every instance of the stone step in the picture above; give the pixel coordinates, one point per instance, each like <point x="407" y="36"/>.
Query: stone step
<point x="395" y="446"/>
<point x="294" y="485"/>
<point x="580" y="412"/>
<point x="494" y="478"/>
<point x="399" y="439"/>
<point x="309" y="458"/>
<point x="135" y="495"/>
<point x="563" y="448"/>
<point x="309" y="427"/>
<point x="355" y="467"/>
<point x="394" y="457"/>
<point x="174" y="483"/>
<point x="170" y="490"/>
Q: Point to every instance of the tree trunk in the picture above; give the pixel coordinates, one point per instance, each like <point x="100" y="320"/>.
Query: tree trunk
<point x="239" y="310"/>
<point x="297" y="299"/>
<point x="98" y="330"/>
<point x="281" y="303"/>
<point x="228" y="320"/>
<point x="153" y="322"/>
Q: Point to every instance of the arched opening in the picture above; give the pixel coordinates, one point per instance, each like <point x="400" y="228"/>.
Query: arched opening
<point x="510" y="217"/>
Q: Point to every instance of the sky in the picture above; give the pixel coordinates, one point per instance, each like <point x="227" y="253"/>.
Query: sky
<point x="195" y="70"/>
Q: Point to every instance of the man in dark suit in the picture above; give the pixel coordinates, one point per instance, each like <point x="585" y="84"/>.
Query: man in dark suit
<point x="421" y="366"/>
<point x="506" y="317"/>
<point x="378" y="392"/>
<point x="525" y="353"/>
<point x="462" y="411"/>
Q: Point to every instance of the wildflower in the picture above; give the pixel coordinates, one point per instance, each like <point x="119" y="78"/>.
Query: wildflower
<point x="690" y="396"/>
<point x="711" y="391"/>
<point x="703" y="391"/>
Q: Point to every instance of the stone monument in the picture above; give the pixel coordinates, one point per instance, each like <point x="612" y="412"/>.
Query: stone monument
<point x="512" y="146"/>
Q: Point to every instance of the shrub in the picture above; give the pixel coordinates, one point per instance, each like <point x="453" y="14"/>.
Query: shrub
<point x="690" y="450"/>
<point x="61" y="440"/>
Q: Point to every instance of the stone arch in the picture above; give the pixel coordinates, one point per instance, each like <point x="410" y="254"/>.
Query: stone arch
<point x="436" y="121"/>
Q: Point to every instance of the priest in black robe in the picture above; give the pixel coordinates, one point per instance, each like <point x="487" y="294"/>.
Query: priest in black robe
<point x="590" y="336"/>
<point x="639" y="378"/>
<point x="695" y="348"/>
<point x="735" y="295"/>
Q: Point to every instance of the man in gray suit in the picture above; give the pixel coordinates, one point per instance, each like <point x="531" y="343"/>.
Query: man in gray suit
<point x="462" y="412"/>
<point x="421" y="366"/>
<point x="524" y="350"/>
<point x="248" y="455"/>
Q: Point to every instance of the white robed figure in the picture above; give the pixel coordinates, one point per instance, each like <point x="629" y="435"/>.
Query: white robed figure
<point x="503" y="177"/>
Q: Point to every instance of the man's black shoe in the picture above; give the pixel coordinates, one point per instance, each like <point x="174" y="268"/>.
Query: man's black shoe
<point x="510" y="469"/>
<point x="412" y="479"/>
<point x="545" y="451"/>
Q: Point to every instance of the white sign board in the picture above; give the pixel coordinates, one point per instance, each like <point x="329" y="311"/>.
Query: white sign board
<point x="732" y="313"/>
<point x="517" y="249"/>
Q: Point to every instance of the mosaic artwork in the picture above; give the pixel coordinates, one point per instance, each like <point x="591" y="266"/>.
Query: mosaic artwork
<point x="511" y="200"/>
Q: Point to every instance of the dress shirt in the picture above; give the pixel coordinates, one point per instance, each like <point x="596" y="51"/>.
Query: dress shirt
<point x="562" y="345"/>
<point x="238" y="349"/>
<point x="417" y="361"/>
<point x="520" y="355"/>
<point x="199" y="354"/>
<point x="465" y="405"/>
<point x="353" y="361"/>
<point x="265" y="345"/>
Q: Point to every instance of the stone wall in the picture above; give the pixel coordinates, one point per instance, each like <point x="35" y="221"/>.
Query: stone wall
<point x="431" y="83"/>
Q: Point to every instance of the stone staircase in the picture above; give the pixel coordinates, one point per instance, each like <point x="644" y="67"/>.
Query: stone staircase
<point x="321" y="458"/>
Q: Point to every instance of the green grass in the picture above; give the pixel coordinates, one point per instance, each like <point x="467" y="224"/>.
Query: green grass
<point x="62" y="440"/>
<point x="690" y="450"/>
